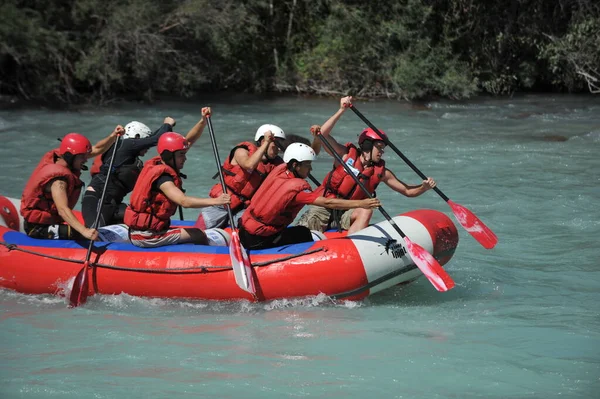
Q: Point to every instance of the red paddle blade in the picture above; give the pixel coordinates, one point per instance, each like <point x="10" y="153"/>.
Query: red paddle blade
<point x="242" y="269"/>
<point x="79" y="292"/>
<point x="429" y="266"/>
<point x="483" y="234"/>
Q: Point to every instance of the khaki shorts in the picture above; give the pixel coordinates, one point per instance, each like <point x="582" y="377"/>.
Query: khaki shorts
<point x="317" y="218"/>
<point x="153" y="239"/>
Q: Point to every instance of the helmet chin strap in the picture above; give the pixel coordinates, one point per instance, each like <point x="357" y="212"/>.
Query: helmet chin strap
<point x="370" y="160"/>
<point x="69" y="159"/>
<point x="171" y="161"/>
<point x="292" y="168"/>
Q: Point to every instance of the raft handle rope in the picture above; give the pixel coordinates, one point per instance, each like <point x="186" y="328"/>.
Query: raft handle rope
<point x="176" y="270"/>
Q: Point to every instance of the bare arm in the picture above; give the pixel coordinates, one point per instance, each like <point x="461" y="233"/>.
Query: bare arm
<point x="104" y="144"/>
<point x="177" y="196"/>
<point x="316" y="143"/>
<point x="58" y="189"/>
<point x="241" y="156"/>
<point x="337" y="203"/>
<point x="195" y="132"/>
<point x="328" y="126"/>
<point x="407" y="190"/>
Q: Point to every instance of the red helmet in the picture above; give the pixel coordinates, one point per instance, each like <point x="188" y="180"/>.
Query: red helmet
<point x="74" y="144"/>
<point x="172" y="142"/>
<point x="370" y="134"/>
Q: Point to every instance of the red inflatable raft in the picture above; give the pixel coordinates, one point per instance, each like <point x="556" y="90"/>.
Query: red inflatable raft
<point x="351" y="267"/>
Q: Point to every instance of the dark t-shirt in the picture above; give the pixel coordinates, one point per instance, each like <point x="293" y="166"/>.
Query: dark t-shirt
<point x="127" y="154"/>
<point x="161" y="179"/>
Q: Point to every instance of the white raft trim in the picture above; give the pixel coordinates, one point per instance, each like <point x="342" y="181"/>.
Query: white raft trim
<point x="381" y="256"/>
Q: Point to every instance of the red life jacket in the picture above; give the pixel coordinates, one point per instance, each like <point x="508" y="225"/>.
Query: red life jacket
<point x="95" y="169"/>
<point x="37" y="205"/>
<point x="271" y="209"/>
<point x="339" y="184"/>
<point x="150" y="209"/>
<point x="241" y="184"/>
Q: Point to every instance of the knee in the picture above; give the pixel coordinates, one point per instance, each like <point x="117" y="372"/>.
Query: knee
<point x="195" y="236"/>
<point x="363" y="215"/>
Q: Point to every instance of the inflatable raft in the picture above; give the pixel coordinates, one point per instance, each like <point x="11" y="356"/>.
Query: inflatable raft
<point x="343" y="267"/>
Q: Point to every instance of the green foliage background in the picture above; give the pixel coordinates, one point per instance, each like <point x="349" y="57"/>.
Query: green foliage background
<point x="98" y="50"/>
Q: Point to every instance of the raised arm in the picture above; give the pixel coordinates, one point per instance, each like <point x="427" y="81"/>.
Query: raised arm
<point x="330" y="123"/>
<point x="104" y="144"/>
<point x="316" y="142"/>
<point x="247" y="162"/>
<point x="152" y="140"/>
<point x="196" y="131"/>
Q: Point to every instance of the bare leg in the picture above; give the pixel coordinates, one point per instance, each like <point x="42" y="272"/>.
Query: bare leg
<point x="195" y="236"/>
<point x="359" y="219"/>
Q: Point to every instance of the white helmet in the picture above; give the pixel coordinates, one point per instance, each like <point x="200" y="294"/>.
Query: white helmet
<point x="300" y="152"/>
<point x="135" y="128"/>
<point x="276" y="130"/>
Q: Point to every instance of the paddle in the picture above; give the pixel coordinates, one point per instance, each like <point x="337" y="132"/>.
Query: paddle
<point x="242" y="269"/>
<point x="483" y="234"/>
<point x="79" y="292"/>
<point x="423" y="259"/>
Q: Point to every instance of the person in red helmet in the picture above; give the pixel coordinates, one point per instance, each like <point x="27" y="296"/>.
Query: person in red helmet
<point x="54" y="187"/>
<point x="126" y="169"/>
<point x="156" y="195"/>
<point x="366" y="162"/>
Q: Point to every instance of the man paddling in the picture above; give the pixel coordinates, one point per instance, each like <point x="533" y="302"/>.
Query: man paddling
<point x="127" y="166"/>
<point x="54" y="187"/>
<point x="366" y="162"/>
<point x="281" y="197"/>
<point x="157" y="193"/>
<point x="244" y="170"/>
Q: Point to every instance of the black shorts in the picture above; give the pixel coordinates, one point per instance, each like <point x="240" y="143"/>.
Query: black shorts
<point x="288" y="236"/>
<point x="52" y="231"/>
<point x="112" y="213"/>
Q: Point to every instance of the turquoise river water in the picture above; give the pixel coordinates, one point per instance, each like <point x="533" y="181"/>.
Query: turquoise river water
<point x="522" y="322"/>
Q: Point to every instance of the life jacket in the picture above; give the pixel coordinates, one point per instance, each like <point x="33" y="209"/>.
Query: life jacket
<point x="95" y="168"/>
<point x="124" y="178"/>
<point x="242" y="184"/>
<point x="339" y="184"/>
<point x="37" y="205"/>
<point x="271" y="209"/>
<point x="151" y="209"/>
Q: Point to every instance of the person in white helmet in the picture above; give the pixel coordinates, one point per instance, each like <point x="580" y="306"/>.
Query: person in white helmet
<point x="244" y="170"/>
<point x="127" y="166"/>
<point x="281" y="197"/>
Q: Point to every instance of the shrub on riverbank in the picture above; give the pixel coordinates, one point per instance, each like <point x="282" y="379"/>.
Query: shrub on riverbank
<point x="82" y="50"/>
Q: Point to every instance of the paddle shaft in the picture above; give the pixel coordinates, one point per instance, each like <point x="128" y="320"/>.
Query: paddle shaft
<point x="101" y="203"/>
<point x="339" y="159"/>
<point x="396" y="150"/>
<point x="218" y="161"/>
